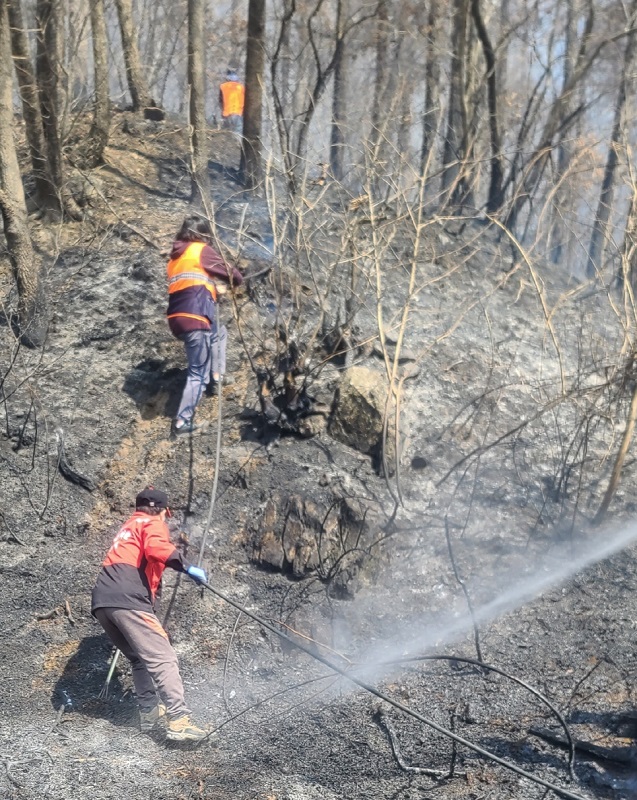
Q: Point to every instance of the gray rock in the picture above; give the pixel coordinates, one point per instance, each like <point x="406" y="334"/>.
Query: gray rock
<point x="358" y="417"/>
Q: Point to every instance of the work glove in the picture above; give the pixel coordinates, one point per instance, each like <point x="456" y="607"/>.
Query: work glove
<point x="197" y="574"/>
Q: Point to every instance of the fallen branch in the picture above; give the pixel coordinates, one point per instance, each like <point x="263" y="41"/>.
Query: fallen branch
<point x="619" y="755"/>
<point x="67" y="611"/>
<point x="65" y="467"/>
<point x="383" y="720"/>
<point x="52" y="614"/>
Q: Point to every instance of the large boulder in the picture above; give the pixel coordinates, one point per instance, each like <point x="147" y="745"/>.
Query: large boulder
<point x="359" y="412"/>
<point x="300" y="537"/>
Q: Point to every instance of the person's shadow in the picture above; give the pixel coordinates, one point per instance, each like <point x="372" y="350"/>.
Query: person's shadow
<point x="80" y="686"/>
<point x="155" y="390"/>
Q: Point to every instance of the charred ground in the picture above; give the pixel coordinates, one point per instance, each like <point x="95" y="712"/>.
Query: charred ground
<point x="516" y="502"/>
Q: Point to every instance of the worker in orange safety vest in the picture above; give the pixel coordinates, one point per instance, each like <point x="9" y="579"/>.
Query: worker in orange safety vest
<point x="197" y="274"/>
<point x="231" y="100"/>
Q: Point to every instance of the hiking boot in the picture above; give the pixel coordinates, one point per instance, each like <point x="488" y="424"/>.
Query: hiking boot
<point x="212" y="389"/>
<point x="183" y="729"/>
<point x="181" y="428"/>
<point x="149" y="719"/>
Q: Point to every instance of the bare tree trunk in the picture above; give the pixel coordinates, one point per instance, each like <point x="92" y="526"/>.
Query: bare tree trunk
<point x="380" y="77"/>
<point x="31" y="320"/>
<point x="46" y="197"/>
<point x="137" y="86"/>
<point x="251" y="168"/>
<point x="49" y="43"/>
<point x="600" y="225"/>
<point x="200" y="191"/>
<point x="50" y="30"/>
<point x="557" y="235"/>
<point x="337" y="137"/>
<point x="453" y="153"/>
<point x="432" y="86"/>
<point x="495" y="197"/>
<point x="100" y="128"/>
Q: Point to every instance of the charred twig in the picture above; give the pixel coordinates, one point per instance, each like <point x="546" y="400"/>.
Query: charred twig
<point x="10" y="530"/>
<point x="52" y="614"/>
<point x="65" y="467"/>
<point x="383" y="720"/>
<point x="68" y="613"/>
<point x="225" y="666"/>
<point x="619" y="755"/>
<point x="474" y="624"/>
<point x="454" y="745"/>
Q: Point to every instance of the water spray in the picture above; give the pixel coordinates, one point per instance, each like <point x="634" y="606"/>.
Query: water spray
<point x="395" y="703"/>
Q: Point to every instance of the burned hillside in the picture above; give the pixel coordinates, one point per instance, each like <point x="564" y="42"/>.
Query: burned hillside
<point x="415" y="446"/>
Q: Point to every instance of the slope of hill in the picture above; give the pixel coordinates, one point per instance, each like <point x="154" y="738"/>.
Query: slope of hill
<point x="513" y="396"/>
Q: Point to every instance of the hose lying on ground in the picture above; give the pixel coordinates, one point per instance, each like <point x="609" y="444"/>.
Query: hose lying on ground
<point x="396" y="704"/>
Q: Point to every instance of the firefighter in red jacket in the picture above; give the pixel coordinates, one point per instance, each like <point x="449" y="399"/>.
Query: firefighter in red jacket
<point x="197" y="274"/>
<point x="123" y="603"/>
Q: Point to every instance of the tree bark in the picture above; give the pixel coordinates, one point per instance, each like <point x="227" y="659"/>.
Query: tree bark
<point x="200" y="190"/>
<point x="380" y="77"/>
<point x="46" y="197"/>
<point x="31" y="319"/>
<point x="337" y="137"/>
<point x="495" y="197"/>
<point x="600" y="226"/>
<point x="558" y="232"/>
<point x="50" y="32"/>
<point x="432" y="87"/>
<point x="453" y="157"/>
<point x="251" y="167"/>
<point x="139" y="92"/>
<point x="100" y="127"/>
<point x="49" y="47"/>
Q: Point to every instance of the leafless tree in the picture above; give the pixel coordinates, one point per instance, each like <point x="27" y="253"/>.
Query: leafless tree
<point x="430" y="113"/>
<point x="46" y="198"/>
<point x="31" y="318"/>
<point x="602" y="217"/>
<point x="339" y="96"/>
<point x="251" y="147"/>
<point x="200" y="188"/>
<point x="50" y="27"/>
<point x="455" y="145"/>
<point x="100" y="128"/>
<point x="137" y="84"/>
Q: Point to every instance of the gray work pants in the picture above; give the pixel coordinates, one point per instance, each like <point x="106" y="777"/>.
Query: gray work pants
<point x="140" y="636"/>
<point x="234" y="123"/>
<point x="206" y="354"/>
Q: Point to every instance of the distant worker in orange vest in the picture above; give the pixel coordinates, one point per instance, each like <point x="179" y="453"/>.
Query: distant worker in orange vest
<point x="197" y="275"/>
<point x="231" y="99"/>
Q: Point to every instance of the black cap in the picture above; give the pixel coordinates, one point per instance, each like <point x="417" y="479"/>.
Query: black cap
<point x="151" y="497"/>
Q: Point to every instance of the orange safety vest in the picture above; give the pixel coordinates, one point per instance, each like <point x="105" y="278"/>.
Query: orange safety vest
<point x="187" y="271"/>
<point x="233" y="94"/>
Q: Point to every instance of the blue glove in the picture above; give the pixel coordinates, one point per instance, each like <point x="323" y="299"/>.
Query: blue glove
<point x="197" y="574"/>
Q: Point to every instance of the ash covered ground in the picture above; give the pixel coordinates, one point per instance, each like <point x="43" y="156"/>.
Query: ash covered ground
<point x="491" y="464"/>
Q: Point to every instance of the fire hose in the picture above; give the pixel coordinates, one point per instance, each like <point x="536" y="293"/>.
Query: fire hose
<point x="361" y="683"/>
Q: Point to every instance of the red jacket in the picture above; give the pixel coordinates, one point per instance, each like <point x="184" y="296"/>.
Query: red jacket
<point x="132" y="570"/>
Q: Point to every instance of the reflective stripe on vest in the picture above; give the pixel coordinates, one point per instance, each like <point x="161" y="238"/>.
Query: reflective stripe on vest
<point x="232" y="93"/>
<point x="187" y="271"/>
